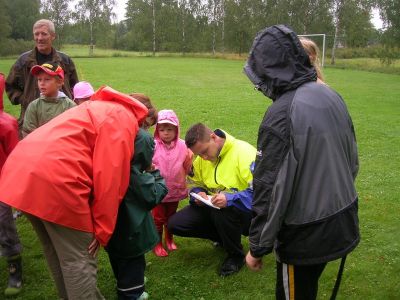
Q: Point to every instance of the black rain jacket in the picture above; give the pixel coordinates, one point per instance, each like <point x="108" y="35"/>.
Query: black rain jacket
<point x="305" y="202"/>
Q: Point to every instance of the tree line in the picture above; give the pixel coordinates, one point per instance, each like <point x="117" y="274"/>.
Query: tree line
<point x="197" y="25"/>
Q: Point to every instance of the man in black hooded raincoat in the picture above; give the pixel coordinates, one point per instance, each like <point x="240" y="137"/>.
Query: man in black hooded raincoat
<point x="305" y="203"/>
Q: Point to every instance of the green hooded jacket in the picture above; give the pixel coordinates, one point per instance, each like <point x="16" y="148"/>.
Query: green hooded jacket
<point x="135" y="232"/>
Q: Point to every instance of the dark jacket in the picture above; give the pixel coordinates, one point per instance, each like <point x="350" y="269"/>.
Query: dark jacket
<point x="21" y="86"/>
<point x="305" y="202"/>
<point x="135" y="232"/>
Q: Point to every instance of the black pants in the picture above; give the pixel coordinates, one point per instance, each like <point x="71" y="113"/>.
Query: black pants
<point x="129" y="273"/>
<point x="225" y="225"/>
<point x="297" y="282"/>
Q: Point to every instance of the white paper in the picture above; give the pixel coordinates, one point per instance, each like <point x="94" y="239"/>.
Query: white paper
<point x="205" y="201"/>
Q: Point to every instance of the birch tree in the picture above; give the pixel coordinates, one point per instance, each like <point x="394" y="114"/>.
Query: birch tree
<point x="59" y="12"/>
<point x="97" y="13"/>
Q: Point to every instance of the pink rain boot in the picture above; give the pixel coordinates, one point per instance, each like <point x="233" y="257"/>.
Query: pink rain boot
<point x="169" y="241"/>
<point x="159" y="249"/>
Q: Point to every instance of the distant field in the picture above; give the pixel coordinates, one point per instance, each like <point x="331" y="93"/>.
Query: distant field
<point x="363" y="64"/>
<point x="216" y="92"/>
<point x="367" y="64"/>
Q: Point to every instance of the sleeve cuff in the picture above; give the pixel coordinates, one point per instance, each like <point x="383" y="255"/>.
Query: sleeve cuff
<point x="229" y="199"/>
<point x="259" y="252"/>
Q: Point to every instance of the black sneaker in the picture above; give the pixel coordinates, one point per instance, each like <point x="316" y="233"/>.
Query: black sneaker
<point x="231" y="265"/>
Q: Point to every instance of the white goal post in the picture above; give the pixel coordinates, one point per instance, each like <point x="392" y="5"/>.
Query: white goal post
<point x="323" y="44"/>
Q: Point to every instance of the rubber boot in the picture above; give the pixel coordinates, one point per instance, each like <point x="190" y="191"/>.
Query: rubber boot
<point x="169" y="241"/>
<point x="159" y="249"/>
<point x="14" y="276"/>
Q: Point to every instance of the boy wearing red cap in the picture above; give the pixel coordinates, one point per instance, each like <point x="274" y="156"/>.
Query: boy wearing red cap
<point x="52" y="102"/>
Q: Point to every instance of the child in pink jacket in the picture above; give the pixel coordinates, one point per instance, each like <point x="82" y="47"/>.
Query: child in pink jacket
<point x="174" y="160"/>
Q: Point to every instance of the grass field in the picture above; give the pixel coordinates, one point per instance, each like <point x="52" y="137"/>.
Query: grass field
<point x="216" y="92"/>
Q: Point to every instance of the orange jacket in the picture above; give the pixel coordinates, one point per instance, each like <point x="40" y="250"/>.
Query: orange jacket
<point x="74" y="170"/>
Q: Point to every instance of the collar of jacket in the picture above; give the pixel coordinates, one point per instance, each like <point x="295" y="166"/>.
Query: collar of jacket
<point x="31" y="61"/>
<point x="229" y="141"/>
<point x="60" y="97"/>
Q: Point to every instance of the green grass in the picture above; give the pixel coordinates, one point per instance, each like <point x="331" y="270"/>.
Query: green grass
<point x="367" y="64"/>
<point x="363" y="64"/>
<point x="216" y="92"/>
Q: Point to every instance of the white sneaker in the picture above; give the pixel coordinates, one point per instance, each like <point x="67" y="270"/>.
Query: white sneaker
<point x="144" y="296"/>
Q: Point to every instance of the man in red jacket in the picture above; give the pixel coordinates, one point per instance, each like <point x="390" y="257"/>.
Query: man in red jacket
<point x="72" y="174"/>
<point x="9" y="241"/>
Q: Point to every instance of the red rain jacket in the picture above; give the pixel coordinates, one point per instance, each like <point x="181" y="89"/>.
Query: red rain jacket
<point x="74" y="170"/>
<point x="8" y="128"/>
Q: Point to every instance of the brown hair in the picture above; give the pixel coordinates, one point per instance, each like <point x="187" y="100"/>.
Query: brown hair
<point x="198" y="132"/>
<point x="313" y="53"/>
<point x="152" y="115"/>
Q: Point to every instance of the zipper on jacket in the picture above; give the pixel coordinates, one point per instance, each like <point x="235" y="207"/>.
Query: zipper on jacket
<point x="215" y="172"/>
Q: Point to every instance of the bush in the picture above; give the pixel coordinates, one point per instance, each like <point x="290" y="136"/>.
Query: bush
<point x="375" y="51"/>
<point x="11" y="47"/>
<point x="388" y="55"/>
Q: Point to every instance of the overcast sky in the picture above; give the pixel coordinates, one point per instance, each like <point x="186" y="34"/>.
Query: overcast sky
<point x="120" y="7"/>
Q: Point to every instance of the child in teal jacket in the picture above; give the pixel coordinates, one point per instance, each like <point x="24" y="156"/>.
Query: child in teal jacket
<point x="135" y="232"/>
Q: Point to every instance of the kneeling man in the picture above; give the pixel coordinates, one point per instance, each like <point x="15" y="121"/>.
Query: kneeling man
<point x="221" y="169"/>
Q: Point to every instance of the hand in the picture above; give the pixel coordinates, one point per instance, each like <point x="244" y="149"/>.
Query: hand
<point x="219" y="200"/>
<point x="150" y="168"/>
<point x="198" y="202"/>
<point x="94" y="247"/>
<point x="253" y="263"/>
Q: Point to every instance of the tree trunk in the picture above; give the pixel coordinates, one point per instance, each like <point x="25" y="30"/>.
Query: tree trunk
<point x="338" y="4"/>
<point x="223" y="26"/>
<point x="214" y="27"/>
<point x="154" y="28"/>
<point x="183" y="6"/>
<point x="334" y="44"/>
<point x="91" y="40"/>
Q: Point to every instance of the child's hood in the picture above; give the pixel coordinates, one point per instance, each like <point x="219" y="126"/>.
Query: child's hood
<point x="2" y="83"/>
<point x="167" y="116"/>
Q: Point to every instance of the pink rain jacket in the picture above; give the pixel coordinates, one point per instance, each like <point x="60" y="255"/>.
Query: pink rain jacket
<point x="74" y="170"/>
<point x="8" y="128"/>
<point x="174" y="161"/>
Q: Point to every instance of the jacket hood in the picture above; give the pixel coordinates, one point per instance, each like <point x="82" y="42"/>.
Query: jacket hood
<point x="2" y="83"/>
<point x="144" y="150"/>
<point x="167" y="116"/>
<point x="106" y="93"/>
<point x="277" y="62"/>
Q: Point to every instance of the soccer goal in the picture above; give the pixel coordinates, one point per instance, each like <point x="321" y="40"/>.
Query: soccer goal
<point x="312" y="36"/>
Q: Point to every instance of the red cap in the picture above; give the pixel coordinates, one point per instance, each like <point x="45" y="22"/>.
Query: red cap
<point x="50" y="68"/>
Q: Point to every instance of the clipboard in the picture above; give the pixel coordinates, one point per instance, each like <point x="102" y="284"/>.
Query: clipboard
<point x="205" y="201"/>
